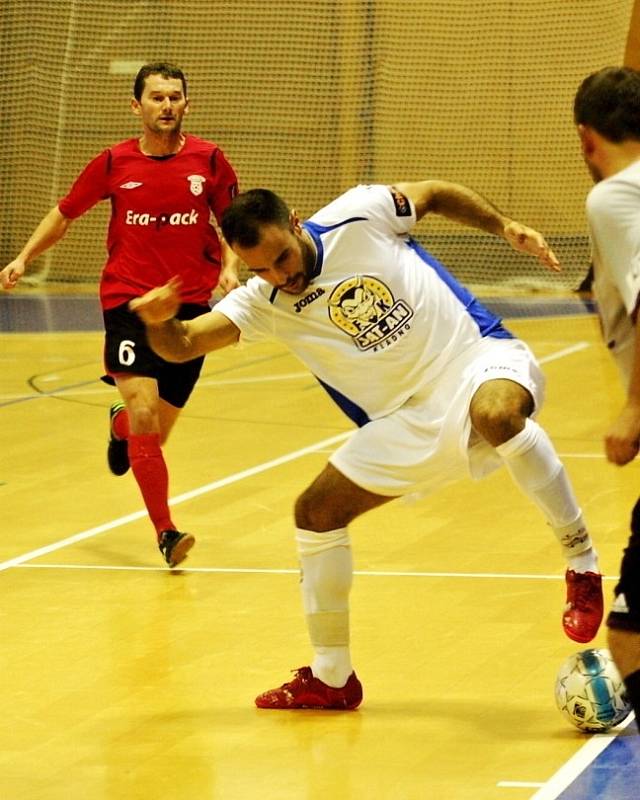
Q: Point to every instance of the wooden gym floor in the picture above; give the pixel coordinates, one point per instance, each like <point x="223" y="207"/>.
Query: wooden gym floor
<point x="122" y="679"/>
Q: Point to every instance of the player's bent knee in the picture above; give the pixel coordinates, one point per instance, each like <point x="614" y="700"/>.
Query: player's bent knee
<point x="143" y="420"/>
<point x="333" y="501"/>
<point x="497" y="426"/>
<point x="499" y="411"/>
<point x="315" y="512"/>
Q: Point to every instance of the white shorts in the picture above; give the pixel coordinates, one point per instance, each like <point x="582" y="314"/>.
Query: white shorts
<point x="428" y="442"/>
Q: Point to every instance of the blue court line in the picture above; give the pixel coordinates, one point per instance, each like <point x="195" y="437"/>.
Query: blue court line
<point x="607" y="767"/>
<point x="615" y="773"/>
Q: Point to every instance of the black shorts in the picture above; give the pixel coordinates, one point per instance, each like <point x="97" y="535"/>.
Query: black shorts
<point x="625" y="612"/>
<point x="126" y="352"/>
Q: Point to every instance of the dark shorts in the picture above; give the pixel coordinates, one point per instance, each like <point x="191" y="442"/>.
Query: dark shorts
<point x="126" y="352"/>
<point x="625" y="613"/>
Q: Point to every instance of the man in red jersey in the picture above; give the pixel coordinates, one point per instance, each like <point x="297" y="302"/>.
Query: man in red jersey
<point x="163" y="187"/>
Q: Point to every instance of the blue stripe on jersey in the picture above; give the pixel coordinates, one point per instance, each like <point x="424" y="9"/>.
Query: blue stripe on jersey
<point x="353" y="411"/>
<point x="315" y="231"/>
<point x="488" y="323"/>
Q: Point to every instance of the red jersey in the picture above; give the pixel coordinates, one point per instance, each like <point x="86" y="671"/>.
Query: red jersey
<point x="160" y="217"/>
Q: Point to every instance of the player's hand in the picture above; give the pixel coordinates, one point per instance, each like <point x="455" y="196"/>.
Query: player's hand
<point x="526" y="240"/>
<point x="12" y="273"/>
<point x="622" y="440"/>
<point x="228" y="280"/>
<point x="159" y="304"/>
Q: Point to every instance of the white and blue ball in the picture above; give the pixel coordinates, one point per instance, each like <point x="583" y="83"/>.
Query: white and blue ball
<point x="590" y="692"/>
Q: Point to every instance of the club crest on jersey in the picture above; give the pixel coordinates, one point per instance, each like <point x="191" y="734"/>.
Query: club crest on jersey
<point x="196" y="182"/>
<point x="365" y="308"/>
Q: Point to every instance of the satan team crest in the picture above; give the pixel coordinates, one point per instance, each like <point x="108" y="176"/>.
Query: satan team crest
<point x="365" y="308"/>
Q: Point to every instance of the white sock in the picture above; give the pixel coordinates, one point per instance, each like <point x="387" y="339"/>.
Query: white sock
<point x="584" y="562"/>
<point x="326" y="568"/>
<point x="535" y="467"/>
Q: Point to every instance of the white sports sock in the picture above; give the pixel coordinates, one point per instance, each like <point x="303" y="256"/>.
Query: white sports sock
<point x="584" y="562"/>
<point x="535" y="467"/>
<point x="326" y="570"/>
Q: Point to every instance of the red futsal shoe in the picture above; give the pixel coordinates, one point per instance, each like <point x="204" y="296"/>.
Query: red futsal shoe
<point x="583" y="611"/>
<point x="306" y="691"/>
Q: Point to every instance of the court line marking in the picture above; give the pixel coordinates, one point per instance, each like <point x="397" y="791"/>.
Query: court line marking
<point x="292" y="571"/>
<point x="567" y="351"/>
<point x="581" y="455"/>
<point x="203" y="382"/>
<point x="561" y="779"/>
<point x="181" y="498"/>
<point x="577" y="764"/>
<point x="77" y="390"/>
<point x="107" y="526"/>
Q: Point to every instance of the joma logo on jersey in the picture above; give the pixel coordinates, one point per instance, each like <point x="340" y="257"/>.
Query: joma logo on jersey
<point x="309" y="298"/>
<point x="365" y="308"/>
<point x="175" y="218"/>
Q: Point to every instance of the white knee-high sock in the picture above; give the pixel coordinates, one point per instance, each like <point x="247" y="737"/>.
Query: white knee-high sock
<point x="535" y="467"/>
<point x="326" y="570"/>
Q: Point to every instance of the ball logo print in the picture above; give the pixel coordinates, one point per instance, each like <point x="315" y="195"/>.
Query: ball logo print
<point x="590" y="693"/>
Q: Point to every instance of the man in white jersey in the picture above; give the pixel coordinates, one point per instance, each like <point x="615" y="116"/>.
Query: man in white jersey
<point x="437" y="386"/>
<point x="607" y="113"/>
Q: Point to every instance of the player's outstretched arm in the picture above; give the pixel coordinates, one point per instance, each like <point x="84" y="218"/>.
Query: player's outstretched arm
<point x="50" y="230"/>
<point x="461" y="204"/>
<point x="181" y="340"/>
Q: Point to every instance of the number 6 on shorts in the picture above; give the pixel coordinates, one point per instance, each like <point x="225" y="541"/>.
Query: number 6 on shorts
<point x="126" y="354"/>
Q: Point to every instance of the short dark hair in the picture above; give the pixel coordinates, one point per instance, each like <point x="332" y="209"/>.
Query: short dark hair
<point x="609" y="102"/>
<point x="248" y="212"/>
<point x="157" y="68"/>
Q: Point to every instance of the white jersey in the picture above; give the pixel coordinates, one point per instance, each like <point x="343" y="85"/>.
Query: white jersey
<point x="381" y="317"/>
<point x="613" y="212"/>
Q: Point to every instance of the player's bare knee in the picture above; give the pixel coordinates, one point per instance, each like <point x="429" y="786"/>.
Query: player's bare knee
<point x="497" y="425"/>
<point x="499" y="410"/>
<point x="313" y="512"/>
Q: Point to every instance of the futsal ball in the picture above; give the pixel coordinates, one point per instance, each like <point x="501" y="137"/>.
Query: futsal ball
<point x="590" y="692"/>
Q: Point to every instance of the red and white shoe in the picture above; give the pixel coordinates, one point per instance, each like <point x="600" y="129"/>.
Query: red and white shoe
<point x="583" y="611"/>
<point x="307" y="691"/>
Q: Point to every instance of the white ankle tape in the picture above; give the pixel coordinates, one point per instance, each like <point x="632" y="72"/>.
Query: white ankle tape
<point x="329" y="628"/>
<point x="311" y="543"/>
